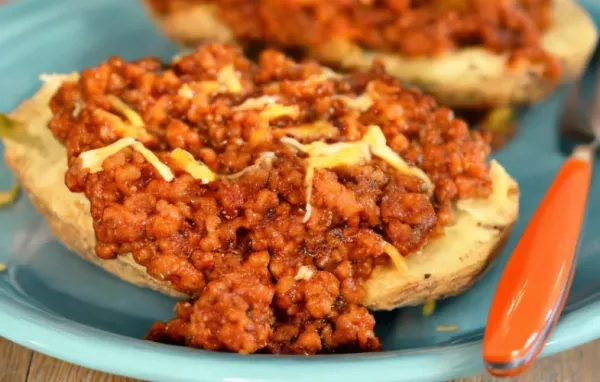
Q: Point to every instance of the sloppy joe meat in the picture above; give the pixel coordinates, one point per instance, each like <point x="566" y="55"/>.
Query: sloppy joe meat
<point x="261" y="278"/>
<point x="408" y="27"/>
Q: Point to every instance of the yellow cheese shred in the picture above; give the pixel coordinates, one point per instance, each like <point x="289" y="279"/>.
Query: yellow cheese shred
<point x="446" y="328"/>
<point x="200" y="171"/>
<point x="376" y="140"/>
<point x="121" y="128"/>
<point x="271" y="110"/>
<point x="17" y="132"/>
<point x="9" y="197"/>
<point x="274" y="111"/>
<point x="396" y="257"/>
<point x="228" y="78"/>
<point x="323" y="155"/>
<point x="309" y="132"/>
<point x="93" y="159"/>
<point x="429" y="308"/>
<point x="361" y="103"/>
<point x="196" y="169"/>
<point x="256" y="103"/>
<point x="120" y="106"/>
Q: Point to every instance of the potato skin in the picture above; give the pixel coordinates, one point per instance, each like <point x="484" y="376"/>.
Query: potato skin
<point x="41" y="174"/>
<point x="468" y="78"/>
<point x="453" y="262"/>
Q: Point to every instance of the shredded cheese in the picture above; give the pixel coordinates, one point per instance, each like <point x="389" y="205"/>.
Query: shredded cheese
<point x="263" y="132"/>
<point x="120" y="106"/>
<point x="9" y="197"/>
<point x="323" y="155"/>
<point x="330" y="74"/>
<point x="186" y="91"/>
<point x="309" y="132"/>
<point x="196" y="169"/>
<point x="361" y="103"/>
<point x="446" y="328"/>
<point x="228" y="78"/>
<point x="256" y="103"/>
<point x="327" y="156"/>
<point x="94" y="159"/>
<point x="135" y="126"/>
<point x="203" y="173"/>
<point x="396" y="257"/>
<point x="274" y="111"/>
<point x="227" y="81"/>
<point x="429" y="308"/>
<point x="304" y="273"/>
<point x="265" y="158"/>
<point x="376" y="140"/>
<point x="121" y="128"/>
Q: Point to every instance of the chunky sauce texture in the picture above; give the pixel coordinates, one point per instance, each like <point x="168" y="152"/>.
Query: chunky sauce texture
<point x="260" y="278"/>
<point x="427" y="28"/>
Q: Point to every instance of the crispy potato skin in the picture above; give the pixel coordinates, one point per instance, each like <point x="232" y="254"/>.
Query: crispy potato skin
<point x="468" y="78"/>
<point x="445" y="267"/>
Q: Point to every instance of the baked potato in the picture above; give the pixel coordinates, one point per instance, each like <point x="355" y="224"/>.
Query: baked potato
<point x="470" y="77"/>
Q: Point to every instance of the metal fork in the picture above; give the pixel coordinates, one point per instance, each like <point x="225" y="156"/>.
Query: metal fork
<point x="537" y="278"/>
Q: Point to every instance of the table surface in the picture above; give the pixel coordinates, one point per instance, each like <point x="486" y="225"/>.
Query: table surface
<point x="18" y="364"/>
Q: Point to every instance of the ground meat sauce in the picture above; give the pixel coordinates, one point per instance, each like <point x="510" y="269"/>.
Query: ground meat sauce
<point x="409" y="27"/>
<point x="261" y="279"/>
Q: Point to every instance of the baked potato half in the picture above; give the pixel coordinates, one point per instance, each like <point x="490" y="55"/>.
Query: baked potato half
<point x="446" y="266"/>
<point x="471" y="77"/>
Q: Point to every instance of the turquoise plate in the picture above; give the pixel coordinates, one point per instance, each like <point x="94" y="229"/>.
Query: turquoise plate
<point x="56" y="303"/>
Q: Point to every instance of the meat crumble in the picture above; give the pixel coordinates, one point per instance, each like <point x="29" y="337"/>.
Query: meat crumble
<point x="408" y="27"/>
<point x="262" y="275"/>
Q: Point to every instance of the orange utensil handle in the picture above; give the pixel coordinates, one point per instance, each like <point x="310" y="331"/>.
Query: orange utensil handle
<point x="537" y="278"/>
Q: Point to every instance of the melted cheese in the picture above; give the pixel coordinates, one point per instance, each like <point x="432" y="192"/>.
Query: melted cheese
<point x="228" y="78"/>
<point x="330" y="74"/>
<point x="376" y="140"/>
<point x="265" y="159"/>
<point x="274" y="111"/>
<point x="304" y="273"/>
<point x="271" y="110"/>
<point x="135" y="125"/>
<point x="395" y="256"/>
<point x="8" y="197"/>
<point x="186" y="91"/>
<point x="122" y="128"/>
<point x="93" y="159"/>
<point x="203" y="173"/>
<point x="361" y="103"/>
<point x="120" y="106"/>
<point x="312" y="131"/>
<point x="429" y="308"/>
<point x="323" y="155"/>
<point x="256" y="103"/>
<point x="227" y="81"/>
<point x="196" y="169"/>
